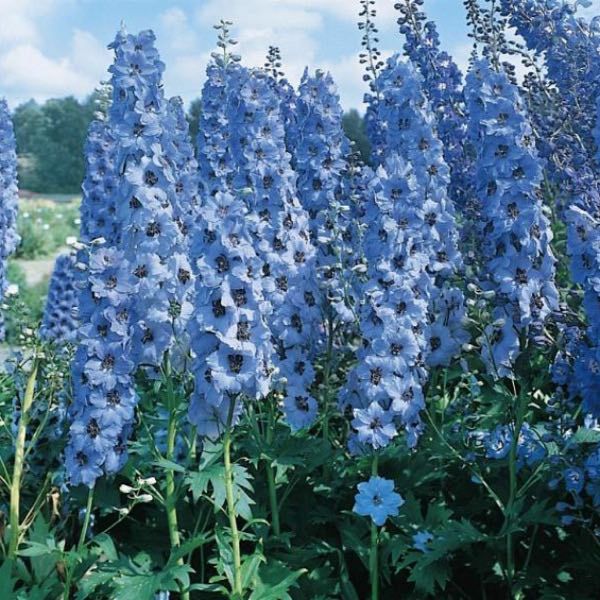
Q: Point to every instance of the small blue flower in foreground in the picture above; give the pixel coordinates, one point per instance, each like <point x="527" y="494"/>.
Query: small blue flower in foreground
<point x="421" y="540"/>
<point x="377" y="499"/>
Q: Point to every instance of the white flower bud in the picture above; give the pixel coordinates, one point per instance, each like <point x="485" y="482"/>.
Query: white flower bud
<point x="125" y="489"/>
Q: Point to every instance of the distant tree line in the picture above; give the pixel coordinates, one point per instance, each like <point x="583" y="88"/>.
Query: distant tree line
<point x="51" y="136"/>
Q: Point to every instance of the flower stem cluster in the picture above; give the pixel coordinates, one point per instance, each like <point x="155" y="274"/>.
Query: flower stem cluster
<point x="518" y="265"/>
<point x="319" y="157"/>
<point x="9" y="239"/>
<point x="408" y="128"/>
<point x="230" y="336"/>
<point x="280" y="230"/>
<point x="59" y="323"/>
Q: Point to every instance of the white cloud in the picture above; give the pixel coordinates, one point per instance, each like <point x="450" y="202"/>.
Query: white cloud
<point x="26" y="71"/>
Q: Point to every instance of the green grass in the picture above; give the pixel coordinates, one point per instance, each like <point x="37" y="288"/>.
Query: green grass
<point x="27" y="308"/>
<point x="44" y="226"/>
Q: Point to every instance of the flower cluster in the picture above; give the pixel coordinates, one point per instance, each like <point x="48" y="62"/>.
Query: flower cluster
<point x="518" y="265"/>
<point x="408" y="128"/>
<point x="97" y="203"/>
<point x="151" y="201"/>
<point x="9" y="238"/>
<point x="280" y="230"/>
<point x="498" y="442"/>
<point x="229" y="334"/>
<point x="442" y="83"/>
<point x="59" y="323"/>
<point x="384" y="390"/>
<point x="319" y="149"/>
<point x="584" y="248"/>
<point x="135" y="298"/>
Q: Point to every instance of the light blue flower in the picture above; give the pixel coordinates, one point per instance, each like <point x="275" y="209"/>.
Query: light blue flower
<point x="377" y="499"/>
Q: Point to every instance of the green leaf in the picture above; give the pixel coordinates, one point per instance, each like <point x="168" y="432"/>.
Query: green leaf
<point x="7" y="583"/>
<point x="37" y="549"/>
<point x="585" y="436"/>
<point x="274" y="581"/>
<point x="213" y="475"/>
<point x="169" y="465"/>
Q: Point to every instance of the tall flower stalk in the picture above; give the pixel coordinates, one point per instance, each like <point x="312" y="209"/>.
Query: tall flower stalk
<point x="9" y="238"/>
<point x="59" y="322"/>
<point x="408" y="127"/>
<point x="518" y="265"/>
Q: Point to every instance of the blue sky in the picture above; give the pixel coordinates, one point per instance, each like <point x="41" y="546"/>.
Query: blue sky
<point x="51" y="48"/>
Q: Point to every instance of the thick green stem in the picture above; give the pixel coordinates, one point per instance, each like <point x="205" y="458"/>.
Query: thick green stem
<point x="86" y="519"/>
<point x="271" y="480"/>
<point x="171" y="502"/>
<point x="512" y="494"/>
<point x="326" y="377"/>
<point x="15" y="487"/>
<point x="170" y="495"/>
<point x="374" y="551"/>
<point x="231" y="512"/>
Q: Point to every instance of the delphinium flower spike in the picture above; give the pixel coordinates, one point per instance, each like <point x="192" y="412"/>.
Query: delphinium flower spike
<point x="280" y="229"/>
<point x="518" y="263"/>
<point x="442" y="84"/>
<point x="59" y="323"/>
<point x="319" y="150"/>
<point x="408" y="128"/>
<point x="97" y="209"/>
<point x="229" y="334"/>
<point x="149" y="202"/>
<point x="9" y="239"/>
<point x="384" y="390"/>
<point x="117" y="333"/>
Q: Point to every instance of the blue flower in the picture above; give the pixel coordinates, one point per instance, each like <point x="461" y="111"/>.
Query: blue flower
<point x="377" y="499"/>
<point x="300" y="409"/>
<point x="9" y="239"/>
<point x="59" y="322"/>
<point x="408" y="128"/>
<point x="498" y="442"/>
<point x="374" y="426"/>
<point x="516" y="258"/>
<point x="574" y="479"/>
<point x="421" y="540"/>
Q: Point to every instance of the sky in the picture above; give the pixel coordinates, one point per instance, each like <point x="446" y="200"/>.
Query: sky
<point x="55" y="48"/>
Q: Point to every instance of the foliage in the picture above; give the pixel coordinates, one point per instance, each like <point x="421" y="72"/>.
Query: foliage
<point x="296" y="376"/>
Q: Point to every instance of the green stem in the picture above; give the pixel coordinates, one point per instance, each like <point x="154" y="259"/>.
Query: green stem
<point x="512" y="495"/>
<point x="86" y="519"/>
<point x="231" y="512"/>
<point x="170" y="495"/>
<point x="271" y="480"/>
<point x="374" y="551"/>
<point x="326" y="377"/>
<point x="15" y="487"/>
<point x="170" y="500"/>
